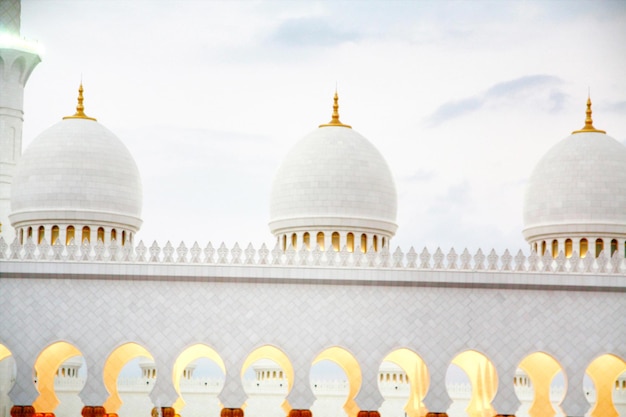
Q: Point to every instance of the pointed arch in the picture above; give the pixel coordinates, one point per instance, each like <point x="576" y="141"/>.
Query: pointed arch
<point x="112" y="368"/>
<point x="46" y="367"/>
<point x="189" y="355"/>
<point x="541" y="369"/>
<point x="604" y="371"/>
<point x="352" y="369"/>
<point x="276" y="355"/>
<point x="483" y="379"/>
<point x="419" y="379"/>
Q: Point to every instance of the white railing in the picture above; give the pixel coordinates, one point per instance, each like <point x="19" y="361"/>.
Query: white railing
<point x="194" y="255"/>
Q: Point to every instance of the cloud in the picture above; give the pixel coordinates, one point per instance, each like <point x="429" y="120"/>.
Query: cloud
<point x="618" y="107"/>
<point x="311" y="31"/>
<point x="519" y="89"/>
<point x="421" y="175"/>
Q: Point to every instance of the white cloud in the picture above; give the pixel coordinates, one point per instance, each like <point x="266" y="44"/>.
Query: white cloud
<point x="462" y="99"/>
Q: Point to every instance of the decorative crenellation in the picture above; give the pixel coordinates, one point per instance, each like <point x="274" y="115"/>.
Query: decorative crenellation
<point x="113" y="252"/>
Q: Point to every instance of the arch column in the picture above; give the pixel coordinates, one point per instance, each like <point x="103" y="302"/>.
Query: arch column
<point x="575" y="404"/>
<point x="233" y="395"/>
<point x="62" y="233"/>
<point x="437" y="399"/>
<point x="369" y="396"/>
<point x="94" y="393"/>
<point x="47" y="233"/>
<point x="301" y="396"/>
<point x="23" y="391"/>
<point x="505" y="402"/>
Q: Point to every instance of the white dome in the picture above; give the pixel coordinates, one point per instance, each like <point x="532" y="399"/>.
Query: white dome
<point x="334" y="179"/>
<point x="77" y="171"/>
<point x="578" y="189"/>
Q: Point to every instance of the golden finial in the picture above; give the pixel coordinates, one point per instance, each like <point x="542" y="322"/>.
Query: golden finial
<point x="335" y="120"/>
<point x="588" y="121"/>
<point x="80" y="109"/>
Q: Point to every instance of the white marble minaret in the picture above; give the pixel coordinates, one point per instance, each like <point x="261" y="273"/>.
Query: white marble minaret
<point x="18" y="58"/>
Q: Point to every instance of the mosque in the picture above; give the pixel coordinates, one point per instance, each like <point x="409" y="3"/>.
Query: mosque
<point x="82" y="296"/>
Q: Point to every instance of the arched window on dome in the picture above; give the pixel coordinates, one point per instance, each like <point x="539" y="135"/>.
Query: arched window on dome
<point x="364" y="243"/>
<point x="123" y="237"/>
<point x="613" y="246"/>
<point x="599" y="246"/>
<point x="320" y="240"/>
<point x="306" y="239"/>
<point x="384" y="242"/>
<point x="555" y="248"/>
<point x="294" y="240"/>
<point x="569" y="248"/>
<point x="41" y="234"/>
<point x="69" y="234"/>
<point x="86" y="235"/>
<point x="584" y="247"/>
<point x="350" y="242"/>
<point x="29" y="233"/>
<point x="113" y="234"/>
<point x="283" y="244"/>
<point x="21" y="236"/>
<point x="375" y="243"/>
<point x="55" y="235"/>
<point x="100" y="237"/>
<point x="535" y="247"/>
<point x="336" y="241"/>
<point x="543" y="248"/>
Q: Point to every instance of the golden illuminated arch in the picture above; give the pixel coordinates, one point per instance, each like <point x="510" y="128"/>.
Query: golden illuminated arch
<point x="555" y="248"/>
<point x="320" y="240"/>
<point x="599" y="246"/>
<point x="86" y="235"/>
<point x="189" y="355"/>
<point x="336" y="241"/>
<point x="306" y="239"/>
<point x="69" y="234"/>
<point x="4" y="352"/>
<point x="350" y="242"/>
<point x="569" y="248"/>
<point x="55" y="235"/>
<point x="100" y="236"/>
<point x="604" y="371"/>
<point x="484" y="380"/>
<point x="351" y="367"/>
<point x="112" y="368"/>
<point x="41" y="235"/>
<point x="541" y="369"/>
<point x="415" y="369"/>
<point x="584" y="247"/>
<point x="46" y="367"/>
<point x="274" y="354"/>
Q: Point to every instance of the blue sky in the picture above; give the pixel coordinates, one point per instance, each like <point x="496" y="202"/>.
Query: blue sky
<point x="461" y="97"/>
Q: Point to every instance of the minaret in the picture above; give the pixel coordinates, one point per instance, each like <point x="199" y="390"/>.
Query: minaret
<point x="18" y="58"/>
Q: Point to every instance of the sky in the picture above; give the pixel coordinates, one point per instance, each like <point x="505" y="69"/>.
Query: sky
<point x="462" y="98"/>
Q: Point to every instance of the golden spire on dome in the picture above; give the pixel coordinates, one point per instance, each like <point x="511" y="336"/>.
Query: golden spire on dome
<point x="80" y="109"/>
<point x="588" y="121"/>
<point x="335" y="120"/>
